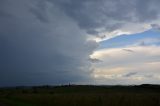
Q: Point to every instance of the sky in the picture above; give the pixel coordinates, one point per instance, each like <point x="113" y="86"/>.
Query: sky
<point x="58" y="42"/>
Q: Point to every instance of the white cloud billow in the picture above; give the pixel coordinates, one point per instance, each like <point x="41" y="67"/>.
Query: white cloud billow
<point x="144" y="61"/>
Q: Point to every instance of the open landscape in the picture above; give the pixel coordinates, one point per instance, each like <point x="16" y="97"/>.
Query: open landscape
<point x="79" y="52"/>
<point x="81" y="95"/>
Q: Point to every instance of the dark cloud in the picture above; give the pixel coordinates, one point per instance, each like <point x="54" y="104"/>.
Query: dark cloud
<point x="109" y="15"/>
<point x="45" y="42"/>
<point x="41" y="11"/>
<point x="36" y="50"/>
<point x="155" y="26"/>
<point x="130" y="74"/>
<point x="128" y="50"/>
<point x="94" y="60"/>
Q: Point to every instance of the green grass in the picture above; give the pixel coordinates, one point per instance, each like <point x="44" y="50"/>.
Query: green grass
<point x="82" y="96"/>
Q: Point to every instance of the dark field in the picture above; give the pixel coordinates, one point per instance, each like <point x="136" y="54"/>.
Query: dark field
<point x="143" y="95"/>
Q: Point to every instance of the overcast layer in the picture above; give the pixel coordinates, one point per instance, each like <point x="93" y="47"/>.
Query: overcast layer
<point x="52" y="41"/>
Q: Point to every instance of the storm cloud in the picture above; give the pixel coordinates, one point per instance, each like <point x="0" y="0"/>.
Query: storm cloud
<point x="43" y="46"/>
<point x="46" y="41"/>
<point x="107" y="15"/>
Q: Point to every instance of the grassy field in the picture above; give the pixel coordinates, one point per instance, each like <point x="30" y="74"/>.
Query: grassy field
<point x="143" y="95"/>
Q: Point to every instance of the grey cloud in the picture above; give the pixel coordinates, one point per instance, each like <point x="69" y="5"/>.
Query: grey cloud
<point x="155" y="26"/>
<point x="129" y="50"/>
<point x="147" y="10"/>
<point x="2" y="13"/>
<point x="45" y="41"/>
<point x="40" y="11"/>
<point x="94" y="60"/>
<point x="149" y="76"/>
<point x="102" y="36"/>
<point x="36" y="51"/>
<point x="130" y="74"/>
<point x="92" y="15"/>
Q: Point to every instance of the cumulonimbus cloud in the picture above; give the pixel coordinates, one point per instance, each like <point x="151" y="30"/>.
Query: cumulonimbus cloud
<point x="45" y="41"/>
<point x="43" y="46"/>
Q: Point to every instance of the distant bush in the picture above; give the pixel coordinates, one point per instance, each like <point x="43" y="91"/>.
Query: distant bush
<point x="24" y="91"/>
<point x="34" y="90"/>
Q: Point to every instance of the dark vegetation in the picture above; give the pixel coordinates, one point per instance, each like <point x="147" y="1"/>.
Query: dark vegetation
<point x="81" y="95"/>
